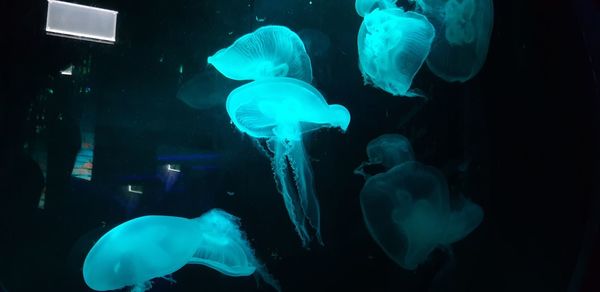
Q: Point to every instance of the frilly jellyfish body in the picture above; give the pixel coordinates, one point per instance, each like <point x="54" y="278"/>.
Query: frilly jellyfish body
<point x="148" y="247"/>
<point x="392" y="46"/>
<point x="280" y="110"/>
<point x="387" y="150"/>
<point x="407" y="212"/>
<point x="364" y="7"/>
<point x="270" y="51"/>
<point x="464" y="29"/>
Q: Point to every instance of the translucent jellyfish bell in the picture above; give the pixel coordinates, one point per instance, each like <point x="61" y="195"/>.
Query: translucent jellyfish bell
<point x="281" y="110"/>
<point x="148" y="247"/>
<point x="206" y="89"/>
<point x="388" y="150"/>
<point x="392" y="46"/>
<point x="364" y="7"/>
<point x="407" y="212"/>
<point x="464" y="30"/>
<point x="270" y="51"/>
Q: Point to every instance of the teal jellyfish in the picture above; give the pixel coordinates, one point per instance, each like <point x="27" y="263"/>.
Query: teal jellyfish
<point x="148" y="247"/>
<point x="364" y="7"/>
<point x="392" y="46"/>
<point x="270" y="51"/>
<point x="280" y="110"/>
<point x="465" y="28"/>
<point x="407" y="212"/>
<point x="205" y="90"/>
<point x="388" y="150"/>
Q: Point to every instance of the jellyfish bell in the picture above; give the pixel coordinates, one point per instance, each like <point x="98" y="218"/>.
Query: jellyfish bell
<point x="464" y="30"/>
<point x="282" y="107"/>
<point x="387" y="150"/>
<point x="392" y="46"/>
<point x="364" y="7"/>
<point x="408" y="214"/>
<point x="270" y="51"/>
<point x="281" y="110"/>
<point x="139" y="250"/>
<point x="148" y="247"/>
<point x="207" y="89"/>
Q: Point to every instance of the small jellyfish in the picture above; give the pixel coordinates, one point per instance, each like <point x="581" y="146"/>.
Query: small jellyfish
<point x="364" y="7"/>
<point x="388" y="150"/>
<point x="280" y="110"/>
<point x="205" y="90"/>
<point x="407" y="212"/>
<point x="392" y="46"/>
<point x="270" y="51"/>
<point x="460" y="48"/>
<point x="148" y="247"/>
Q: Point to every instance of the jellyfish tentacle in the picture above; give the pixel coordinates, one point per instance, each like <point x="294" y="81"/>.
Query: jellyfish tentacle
<point x="286" y="187"/>
<point x="304" y="182"/>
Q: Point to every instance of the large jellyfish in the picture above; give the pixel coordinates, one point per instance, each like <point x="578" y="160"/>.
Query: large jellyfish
<point x="364" y="7"/>
<point x="387" y="150"/>
<point x="270" y="51"/>
<point x="148" y="247"/>
<point x="407" y="212"/>
<point x="206" y="89"/>
<point x="280" y="110"/>
<point x="464" y="30"/>
<point x="392" y="46"/>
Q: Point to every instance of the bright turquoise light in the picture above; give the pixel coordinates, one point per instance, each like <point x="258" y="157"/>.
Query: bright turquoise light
<point x="148" y="247"/>
<point x="281" y="110"/>
<point x="465" y="27"/>
<point x="364" y="7"/>
<point x="407" y="212"/>
<point x="392" y="46"/>
<point x="270" y="51"/>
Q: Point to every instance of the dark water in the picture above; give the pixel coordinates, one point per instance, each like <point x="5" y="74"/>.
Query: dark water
<point x="527" y="125"/>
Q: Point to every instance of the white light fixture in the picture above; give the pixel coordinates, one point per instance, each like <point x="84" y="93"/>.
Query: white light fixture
<point x="81" y="22"/>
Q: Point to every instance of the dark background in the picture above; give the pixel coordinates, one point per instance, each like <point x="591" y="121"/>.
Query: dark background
<point x="528" y="124"/>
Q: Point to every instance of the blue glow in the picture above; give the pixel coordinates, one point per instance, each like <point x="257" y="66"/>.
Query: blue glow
<point x="270" y="51"/>
<point x="364" y="7"/>
<point x="465" y="28"/>
<point x="407" y="212"/>
<point x="148" y="247"/>
<point x="281" y="110"/>
<point x="388" y="150"/>
<point x="392" y="46"/>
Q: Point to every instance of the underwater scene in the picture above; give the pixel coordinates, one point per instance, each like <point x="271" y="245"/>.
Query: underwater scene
<point x="300" y="145"/>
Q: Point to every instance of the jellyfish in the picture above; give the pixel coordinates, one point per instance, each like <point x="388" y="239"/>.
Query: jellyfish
<point x="460" y="48"/>
<point x="364" y="7"/>
<point x="388" y="150"/>
<point x="318" y="47"/>
<point x="407" y="212"/>
<point x="392" y="46"/>
<point x="270" y="51"/>
<point x="279" y="110"/>
<point x="205" y="90"/>
<point x="148" y="247"/>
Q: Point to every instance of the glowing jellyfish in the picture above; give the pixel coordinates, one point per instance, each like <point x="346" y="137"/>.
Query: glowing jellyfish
<point x="464" y="30"/>
<point x="388" y="150"/>
<point x="148" y="247"/>
<point x="270" y="51"/>
<point x="205" y="90"/>
<point x="364" y="7"/>
<point x="407" y="212"/>
<point x="392" y="46"/>
<point x="281" y="110"/>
